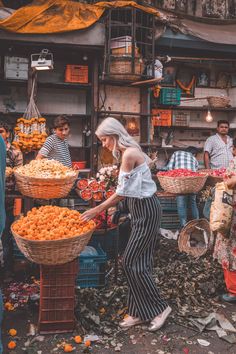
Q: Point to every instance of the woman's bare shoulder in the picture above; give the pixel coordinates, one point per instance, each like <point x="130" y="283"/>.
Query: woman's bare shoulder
<point x="132" y="152"/>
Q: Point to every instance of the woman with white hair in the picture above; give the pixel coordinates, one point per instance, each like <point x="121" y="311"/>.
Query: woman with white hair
<point x="135" y="183"/>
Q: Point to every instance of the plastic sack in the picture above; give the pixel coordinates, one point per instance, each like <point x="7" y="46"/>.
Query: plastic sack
<point x="221" y="209"/>
<point x="89" y="251"/>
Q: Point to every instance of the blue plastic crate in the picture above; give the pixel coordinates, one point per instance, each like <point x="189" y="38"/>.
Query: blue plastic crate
<point x="168" y="204"/>
<point x="92" y="269"/>
<point x="170" y="96"/>
<point x="170" y="221"/>
<point x="107" y="240"/>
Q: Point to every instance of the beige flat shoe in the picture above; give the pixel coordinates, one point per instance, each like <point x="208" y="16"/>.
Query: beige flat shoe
<point x="159" y="320"/>
<point x="130" y="321"/>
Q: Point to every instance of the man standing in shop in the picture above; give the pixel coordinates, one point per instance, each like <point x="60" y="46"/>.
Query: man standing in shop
<point x="186" y="160"/>
<point x="218" y="148"/>
<point x="2" y="218"/>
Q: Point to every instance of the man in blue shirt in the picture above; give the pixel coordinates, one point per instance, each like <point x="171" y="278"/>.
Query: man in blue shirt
<point x="186" y="160"/>
<point x="2" y="218"/>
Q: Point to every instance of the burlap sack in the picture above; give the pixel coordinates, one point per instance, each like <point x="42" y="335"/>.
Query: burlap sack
<point x="221" y="209"/>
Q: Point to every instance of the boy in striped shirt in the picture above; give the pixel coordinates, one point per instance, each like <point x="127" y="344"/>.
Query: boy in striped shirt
<point x="56" y="145"/>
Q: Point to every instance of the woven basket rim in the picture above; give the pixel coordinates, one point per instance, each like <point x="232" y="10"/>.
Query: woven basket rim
<point x="183" y="177"/>
<point x="50" y="241"/>
<point x="222" y="98"/>
<point x="194" y="251"/>
<point x="45" y="179"/>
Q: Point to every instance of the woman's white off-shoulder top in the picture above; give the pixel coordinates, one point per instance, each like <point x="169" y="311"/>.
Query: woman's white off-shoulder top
<point x="137" y="183"/>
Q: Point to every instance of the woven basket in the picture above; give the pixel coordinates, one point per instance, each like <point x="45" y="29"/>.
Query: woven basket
<point x="52" y="252"/>
<point x="182" y="185"/>
<point x="190" y="230"/>
<point x="220" y="102"/>
<point x="45" y="188"/>
<point x="121" y="69"/>
<point x="212" y="180"/>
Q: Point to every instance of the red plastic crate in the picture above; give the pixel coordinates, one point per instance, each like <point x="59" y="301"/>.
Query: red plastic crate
<point x="76" y="73"/>
<point x="57" y="298"/>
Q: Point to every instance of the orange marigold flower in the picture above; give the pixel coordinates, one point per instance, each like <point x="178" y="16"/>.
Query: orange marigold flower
<point x="8" y="306"/>
<point x="11" y="345"/>
<point x="12" y="332"/>
<point x="78" y="339"/>
<point x="68" y="348"/>
<point x="87" y="343"/>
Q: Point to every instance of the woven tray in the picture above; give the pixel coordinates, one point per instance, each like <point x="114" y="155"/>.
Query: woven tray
<point x="220" y="102"/>
<point x="52" y="252"/>
<point x="185" y="237"/>
<point x="45" y="188"/>
<point x="182" y="185"/>
<point x="212" y="180"/>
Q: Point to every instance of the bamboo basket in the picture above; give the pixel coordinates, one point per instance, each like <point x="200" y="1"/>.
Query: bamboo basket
<point x="220" y="101"/>
<point x="182" y="185"/>
<point x="191" y="228"/>
<point x="212" y="180"/>
<point x="45" y="188"/>
<point x="121" y="69"/>
<point x="52" y="252"/>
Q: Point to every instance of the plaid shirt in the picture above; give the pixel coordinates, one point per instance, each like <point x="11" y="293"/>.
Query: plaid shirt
<point x="14" y="158"/>
<point x="219" y="152"/>
<point x="182" y="159"/>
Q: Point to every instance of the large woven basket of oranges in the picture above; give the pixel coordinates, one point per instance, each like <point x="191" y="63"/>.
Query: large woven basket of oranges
<point x="45" y="179"/>
<point x="52" y="235"/>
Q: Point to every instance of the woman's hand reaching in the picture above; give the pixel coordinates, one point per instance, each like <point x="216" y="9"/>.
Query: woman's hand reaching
<point x="89" y="214"/>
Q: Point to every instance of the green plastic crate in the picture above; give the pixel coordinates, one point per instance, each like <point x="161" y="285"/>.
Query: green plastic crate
<point x="170" y="96"/>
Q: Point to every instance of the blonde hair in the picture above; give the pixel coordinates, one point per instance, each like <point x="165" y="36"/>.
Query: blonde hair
<point x="112" y="127"/>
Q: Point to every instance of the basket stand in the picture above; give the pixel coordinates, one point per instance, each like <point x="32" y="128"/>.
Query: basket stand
<point x="57" y="298"/>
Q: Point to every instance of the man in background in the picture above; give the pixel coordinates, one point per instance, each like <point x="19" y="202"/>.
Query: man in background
<point x="2" y="219"/>
<point x="14" y="158"/>
<point x="185" y="160"/>
<point x="218" y="148"/>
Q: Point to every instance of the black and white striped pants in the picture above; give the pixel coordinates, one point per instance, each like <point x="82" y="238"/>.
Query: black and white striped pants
<point x="144" y="300"/>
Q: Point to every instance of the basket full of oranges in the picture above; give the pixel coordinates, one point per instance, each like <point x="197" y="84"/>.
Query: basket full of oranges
<point x="52" y="235"/>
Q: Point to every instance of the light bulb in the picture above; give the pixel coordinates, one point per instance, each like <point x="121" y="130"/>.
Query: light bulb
<point x="209" y="117"/>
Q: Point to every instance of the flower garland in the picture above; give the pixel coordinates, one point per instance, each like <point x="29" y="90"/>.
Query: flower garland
<point x="188" y="88"/>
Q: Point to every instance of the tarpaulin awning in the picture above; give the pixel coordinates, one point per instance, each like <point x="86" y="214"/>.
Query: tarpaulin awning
<point x="92" y="37"/>
<point x="57" y="16"/>
<point x="221" y="33"/>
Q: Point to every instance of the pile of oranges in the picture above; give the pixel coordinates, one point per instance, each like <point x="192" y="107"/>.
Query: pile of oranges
<point x="51" y="223"/>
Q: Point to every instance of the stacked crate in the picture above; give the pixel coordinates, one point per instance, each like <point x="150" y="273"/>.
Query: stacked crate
<point x="57" y="298"/>
<point x="170" y="219"/>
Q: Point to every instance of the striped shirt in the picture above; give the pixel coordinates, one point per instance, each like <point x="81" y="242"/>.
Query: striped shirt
<point x="183" y="159"/>
<point x="220" y="152"/>
<point x="56" y="149"/>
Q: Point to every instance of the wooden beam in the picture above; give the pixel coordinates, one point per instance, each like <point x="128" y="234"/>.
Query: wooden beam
<point x="94" y="115"/>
